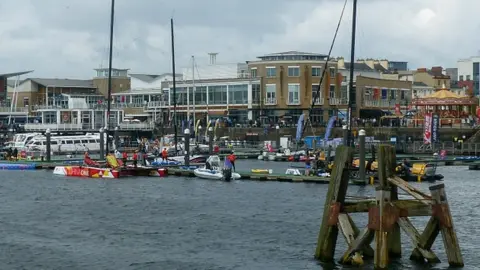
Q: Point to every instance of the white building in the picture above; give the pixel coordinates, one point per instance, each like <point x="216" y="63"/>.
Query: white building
<point x="469" y="69"/>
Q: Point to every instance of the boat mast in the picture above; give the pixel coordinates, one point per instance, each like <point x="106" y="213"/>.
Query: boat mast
<point x="174" y="86"/>
<point x="109" y="90"/>
<point x="193" y="92"/>
<point x="351" y="92"/>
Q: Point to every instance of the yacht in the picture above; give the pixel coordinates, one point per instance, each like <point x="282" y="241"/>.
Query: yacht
<point x="73" y="143"/>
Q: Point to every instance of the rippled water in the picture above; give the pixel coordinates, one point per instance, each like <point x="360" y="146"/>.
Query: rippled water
<point x="50" y="222"/>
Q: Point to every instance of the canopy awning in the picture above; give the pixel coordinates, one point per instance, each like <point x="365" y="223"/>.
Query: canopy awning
<point x="445" y="97"/>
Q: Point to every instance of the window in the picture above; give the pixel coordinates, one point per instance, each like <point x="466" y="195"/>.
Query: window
<point x="271" y="94"/>
<point x="25" y="102"/>
<point x="316" y="71"/>
<point x="271" y="72"/>
<point x="392" y="94"/>
<point x="468" y="77"/>
<point x="344" y="92"/>
<point x="332" y="72"/>
<point x="461" y="77"/>
<point x="253" y="72"/>
<point x="332" y="91"/>
<point x="402" y="95"/>
<point x="293" y="93"/>
<point x="217" y="94"/>
<point x="314" y="92"/>
<point x="238" y="94"/>
<point x="256" y="93"/>
<point x="293" y="71"/>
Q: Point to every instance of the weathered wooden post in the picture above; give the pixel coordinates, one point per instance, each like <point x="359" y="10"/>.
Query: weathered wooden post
<point x="187" y="146"/>
<point x="210" y="141"/>
<point x="48" y="146"/>
<point x="361" y="140"/>
<point x="337" y="190"/>
<point x="102" y="143"/>
<point x="441" y="211"/>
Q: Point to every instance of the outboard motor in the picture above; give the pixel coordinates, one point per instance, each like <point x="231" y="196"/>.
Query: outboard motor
<point x="227" y="174"/>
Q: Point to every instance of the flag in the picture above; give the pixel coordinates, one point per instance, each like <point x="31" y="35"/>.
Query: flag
<point x="300" y="127"/>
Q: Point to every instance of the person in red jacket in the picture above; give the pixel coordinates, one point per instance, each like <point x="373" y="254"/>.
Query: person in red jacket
<point x="135" y="158"/>
<point x="124" y="158"/>
<point x="232" y="159"/>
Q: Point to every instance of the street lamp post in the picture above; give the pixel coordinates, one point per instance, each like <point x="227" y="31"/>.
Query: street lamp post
<point x="187" y="146"/>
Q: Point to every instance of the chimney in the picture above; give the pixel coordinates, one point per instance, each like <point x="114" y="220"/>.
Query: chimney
<point x="384" y="63"/>
<point x="370" y="63"/>
<point x="213" y="58"/>
<point x="340" y="63"/>
<point x="421" y="70"/>
<point x="437" y="71"/>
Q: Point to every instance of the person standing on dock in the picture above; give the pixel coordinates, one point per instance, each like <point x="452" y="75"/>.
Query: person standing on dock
<point x="164" y="155"/>
<point x="231" y="159"/>
<point x="308" y="164"/>
<point x="124" y="158"/>
<point x="135" y="158"/>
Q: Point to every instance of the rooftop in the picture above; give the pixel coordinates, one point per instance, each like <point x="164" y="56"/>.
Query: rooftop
<point x="64" y="83"/>
<point x="8" y="75"/>
<point x="151" y="77"/>
<point x="293" y="55"/>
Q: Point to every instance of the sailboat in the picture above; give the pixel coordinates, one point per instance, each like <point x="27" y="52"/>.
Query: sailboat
<point x="94" y="169"/>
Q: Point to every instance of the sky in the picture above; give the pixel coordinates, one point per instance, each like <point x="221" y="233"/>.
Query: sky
<point x="69" y="38"/>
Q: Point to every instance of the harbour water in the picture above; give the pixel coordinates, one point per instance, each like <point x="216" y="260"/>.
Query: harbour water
<point x="49" y="222"/>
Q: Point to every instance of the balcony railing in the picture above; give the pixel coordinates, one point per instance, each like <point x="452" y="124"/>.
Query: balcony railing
<point x="157" y="104"/>
<point x="136" y="126"/>
<point x="338" y="101"/>
<point x="52" y="127"/>
<point x="319" y="101"/>
<point x="378" y="103"/>
<point x="80" y="127"/>
<point x="271" y="101"/>
<point x="293" y="102"/>
<point x="14" y="110"/>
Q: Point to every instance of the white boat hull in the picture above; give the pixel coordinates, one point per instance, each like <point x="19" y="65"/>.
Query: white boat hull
<point x="213" y="174"/>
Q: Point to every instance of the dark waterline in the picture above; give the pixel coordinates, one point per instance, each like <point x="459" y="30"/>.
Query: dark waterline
<point x="50" y="222"/>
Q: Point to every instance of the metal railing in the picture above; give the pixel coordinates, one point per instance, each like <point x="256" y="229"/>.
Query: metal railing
<point x="338" y="101"/>
<point x="157" y="104"/>
<point x="270" y="101"/>
<point x="379" y="103"/>
<point x="13" y="110"/>
<point x="52" y="127"/>
<point x="136" y="126"/>
<point x="319" y="101"/>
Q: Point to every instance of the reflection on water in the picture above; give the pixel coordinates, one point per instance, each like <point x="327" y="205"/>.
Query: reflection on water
<point x="52" y="222"/>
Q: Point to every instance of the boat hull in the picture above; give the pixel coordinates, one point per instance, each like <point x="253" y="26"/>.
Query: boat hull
<point x="213" y="174"/>
<point x="90" y="172"/>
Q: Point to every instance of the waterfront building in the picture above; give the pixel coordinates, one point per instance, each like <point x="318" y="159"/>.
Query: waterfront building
<point x="468" y="70"/>
<point x="383" y="96"/>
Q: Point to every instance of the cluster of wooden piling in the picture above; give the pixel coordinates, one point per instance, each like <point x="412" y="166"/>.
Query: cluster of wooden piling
<point x="387" y="216"/>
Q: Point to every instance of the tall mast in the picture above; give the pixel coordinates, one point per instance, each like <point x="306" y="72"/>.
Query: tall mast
<point x="174" y="86"/>
<point x="109" y="90"/>
<point x="349" y="138"/>
<point x="193" y="92"/>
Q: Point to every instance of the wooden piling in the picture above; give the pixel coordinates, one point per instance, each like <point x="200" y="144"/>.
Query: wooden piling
<point x="337" y="190"/>
<point x="387" y="215"/>
<point x="441" y="211"/>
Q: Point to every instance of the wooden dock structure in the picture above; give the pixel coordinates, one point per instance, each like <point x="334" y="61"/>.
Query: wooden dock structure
<point x="387" y="216"/>
<point x="261" y="176"/>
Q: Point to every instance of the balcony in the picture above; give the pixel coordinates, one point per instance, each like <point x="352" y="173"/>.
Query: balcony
<point x="270" y="101"/>
<point x="319" y="101"/>
<point x="293" y="102"/>
<point x="136" y="126"/>
<point x="378" y="103"/>
<point x="13" y="110"/>
<point x="53" y="127"/>
<point x="338" y="101"/>
<point x="157" y="104"/>
<point x="79" y="127"/>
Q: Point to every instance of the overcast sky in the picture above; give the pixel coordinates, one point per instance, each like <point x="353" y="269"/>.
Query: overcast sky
<point x="68" y="38"/>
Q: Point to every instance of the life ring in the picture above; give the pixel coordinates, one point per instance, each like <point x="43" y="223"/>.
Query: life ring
<point x="66" y="117"/>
